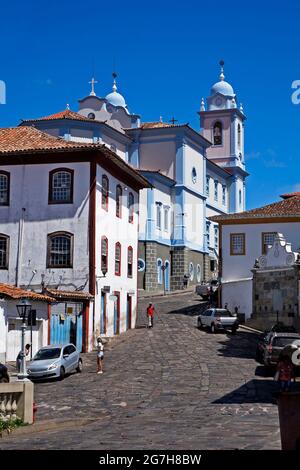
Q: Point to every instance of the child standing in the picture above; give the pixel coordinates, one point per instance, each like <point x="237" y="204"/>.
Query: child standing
<point x="100" y="355"/>
<point x="285" y="373"/>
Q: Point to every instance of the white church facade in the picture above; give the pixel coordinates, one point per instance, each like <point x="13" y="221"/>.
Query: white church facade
<point x="193" y="176"/>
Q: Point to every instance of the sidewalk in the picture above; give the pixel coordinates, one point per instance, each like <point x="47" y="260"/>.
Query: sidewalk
<point x="147" y="295"/>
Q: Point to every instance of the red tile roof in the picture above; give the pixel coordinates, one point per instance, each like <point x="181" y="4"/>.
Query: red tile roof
<point x="288" y="195"/>
<point x="63" y="294"/>
<point x="66" y="114"/>
<point x="12" y="292"/>
<point x="287" y="208"/>
<point x="27" y="139"/>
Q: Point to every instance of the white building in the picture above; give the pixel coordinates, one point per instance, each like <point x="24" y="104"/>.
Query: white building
<point x="10" y="322"/>
<point x="245" y="237"/>
<point x="68" y="216"/>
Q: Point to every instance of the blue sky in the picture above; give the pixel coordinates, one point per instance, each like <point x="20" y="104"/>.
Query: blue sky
<point x="166" y="54"/>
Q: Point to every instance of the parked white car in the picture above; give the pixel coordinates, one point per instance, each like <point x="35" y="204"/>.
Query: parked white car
<point x="55" y="362"/>
<point x="218" y="319"/>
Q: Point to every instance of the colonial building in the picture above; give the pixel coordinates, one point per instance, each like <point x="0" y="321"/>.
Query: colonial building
<point x="69" y="227"/>
<point x="251" y="252"/>
<point x="194" y="175"/>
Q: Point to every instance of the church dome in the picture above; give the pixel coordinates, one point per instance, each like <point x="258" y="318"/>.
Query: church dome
<point x="115" y="98"/>
<point x="222" y="87"/>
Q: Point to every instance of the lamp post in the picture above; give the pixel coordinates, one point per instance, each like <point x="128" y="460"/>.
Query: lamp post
<point x="23" y="308"/>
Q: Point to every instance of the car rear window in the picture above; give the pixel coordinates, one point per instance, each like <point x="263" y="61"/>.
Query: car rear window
<point x="282" y="341"/>
<point x="223" y="313"/>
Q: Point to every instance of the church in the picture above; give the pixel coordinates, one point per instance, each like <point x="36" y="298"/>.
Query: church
<point x="192" y="174"/>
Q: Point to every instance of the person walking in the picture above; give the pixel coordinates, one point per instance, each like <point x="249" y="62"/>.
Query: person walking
<point x="100" y="355"/>
<point x="19" y="357"/>
<point x="150" y="315"/>
<point x="284" y="374"/>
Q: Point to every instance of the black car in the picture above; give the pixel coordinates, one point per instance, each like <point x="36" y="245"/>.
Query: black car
<point x="4" y="377"/>
<point x="265" y="337"/>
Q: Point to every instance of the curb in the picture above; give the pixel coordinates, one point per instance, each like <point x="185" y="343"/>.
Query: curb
<point x="51" y="425"/>
<point x="251" y="329"/>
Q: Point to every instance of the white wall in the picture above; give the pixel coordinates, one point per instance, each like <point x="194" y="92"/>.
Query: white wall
<point x="10" y="341"/>
<point x="239" y="266"/>
<point x="116" y="230"/>
<point x="238" y="294"/>
<point x="158" y="156"/>
<point x="29" y="189"/>
<point x="193" y="159"/>
<point x="194" y="210"/>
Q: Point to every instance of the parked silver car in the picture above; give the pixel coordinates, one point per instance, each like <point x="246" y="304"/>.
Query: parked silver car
<point x="55" y="362"/>
<point x="218" y="319"/>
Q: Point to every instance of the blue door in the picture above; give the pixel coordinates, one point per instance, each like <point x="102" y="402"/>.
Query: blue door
<point x="103" y="314"/>
<point x="117" y="314"/>
<point x="167" y="275"/>
<point x="66" y="324"/>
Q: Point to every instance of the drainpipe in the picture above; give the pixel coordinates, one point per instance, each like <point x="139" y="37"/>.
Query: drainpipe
<point x="20" y="244"/>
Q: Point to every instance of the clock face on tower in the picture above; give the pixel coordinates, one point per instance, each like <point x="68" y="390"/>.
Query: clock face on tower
<point x="218" y="101"/>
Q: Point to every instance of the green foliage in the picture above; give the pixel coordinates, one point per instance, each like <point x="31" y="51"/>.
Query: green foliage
<point x="9" y="425"/>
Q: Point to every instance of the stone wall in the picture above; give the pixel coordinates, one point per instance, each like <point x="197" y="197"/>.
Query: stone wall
<point x="275" y="297"/>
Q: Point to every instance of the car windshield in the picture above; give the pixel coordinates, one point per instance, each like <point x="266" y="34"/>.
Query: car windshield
<point x="281" y="341"/>
<point x="223" y="313"/>
<point x="44" y="354"/>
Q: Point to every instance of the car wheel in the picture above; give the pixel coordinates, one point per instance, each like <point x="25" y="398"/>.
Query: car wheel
<point x="233" y="330"/>
<point x="62" y="373"/>
<point x="79" y="367"/>
<point x="212" y="328"/>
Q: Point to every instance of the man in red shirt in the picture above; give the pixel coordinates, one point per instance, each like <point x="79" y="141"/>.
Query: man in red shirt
<point x="150" y="315"/>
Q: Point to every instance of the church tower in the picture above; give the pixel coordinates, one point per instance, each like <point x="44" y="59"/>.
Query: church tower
<point x="223" y="125"/>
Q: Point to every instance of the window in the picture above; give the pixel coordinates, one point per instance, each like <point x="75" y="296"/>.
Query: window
<point x="4" y="188"/>
<point x="267" y="238"/>
<point x="118" y="259"/>
<point x="130" y="208"/>
<point x="198" y="273"/>
<point x="194" y="175"/>
<point x="61" y="186"/>
<point x="141" y="265"/>
<point x="207" y="233"/>
<point x="216" y="190"/>
<point x="118" y="201"/>
<point x="166" y="219"/>
<point x="159" y="271"/>
<point x="237" y="244"/>
<point x="191" y="271"/>
<point x="207" y="185"/>
<point x="4" y="250"/>
<point x="105" y="193"/>
<point x="217" y="133"/>
<point x="224" y="195"/>
<point x="239" y="135"/>
<point x="240" y="197"/>
<point x="216" y="230"/>
<point x="212" y="265"/>
<point x="104" y="255"/>
<point x="158" y="215"/>
<point x="60" y="247"/>
<point x="129" y="261"/>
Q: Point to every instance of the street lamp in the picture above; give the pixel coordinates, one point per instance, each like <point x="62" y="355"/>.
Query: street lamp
<point x="24" y="307"/>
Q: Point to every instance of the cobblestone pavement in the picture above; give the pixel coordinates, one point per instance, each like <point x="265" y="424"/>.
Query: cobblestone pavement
<point x="172" y="387"/>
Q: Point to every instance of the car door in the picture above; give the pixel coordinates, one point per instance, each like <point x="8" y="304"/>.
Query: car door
<point x="73" y="356"/>
<point x="207" y="315"/>
<point x="67" y="359"/>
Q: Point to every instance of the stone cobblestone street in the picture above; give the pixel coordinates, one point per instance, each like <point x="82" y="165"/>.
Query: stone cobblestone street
<point x="172" y="387"/>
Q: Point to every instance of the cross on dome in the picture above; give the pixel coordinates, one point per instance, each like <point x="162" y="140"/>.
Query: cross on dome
<point x="92" y="82"/>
